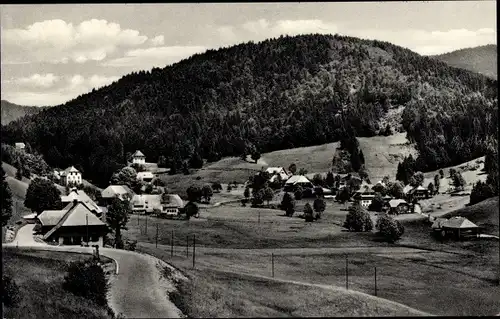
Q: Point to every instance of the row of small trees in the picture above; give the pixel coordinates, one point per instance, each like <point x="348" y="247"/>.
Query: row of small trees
<point x="359" y="220"/>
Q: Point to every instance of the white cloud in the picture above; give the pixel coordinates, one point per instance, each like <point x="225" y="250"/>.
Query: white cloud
<point x="38" y="80"/>
<point x="57" y="41"/>
<point x="431" y="42"/>
<point x="66" y="88"/>
<point x="154" y="57"/>
<point x="257" y="30"/>
<point x="158" y="40"/>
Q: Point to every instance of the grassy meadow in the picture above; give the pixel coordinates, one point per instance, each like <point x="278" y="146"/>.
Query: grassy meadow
<point x="40" y="275"/>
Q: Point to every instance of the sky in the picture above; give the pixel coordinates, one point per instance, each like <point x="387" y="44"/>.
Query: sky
<point x="50" y="54"/>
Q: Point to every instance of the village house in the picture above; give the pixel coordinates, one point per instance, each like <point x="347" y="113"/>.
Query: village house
<point x="418" y="193"/>
<point x="70" y="176"/>
<point x="76" y="224"/>
<point x="456" y="227"/>
<point x="364" y="198"/>
<point x="145" y="203"/>
<point x="81" y="196"/>
<point x="171" y="205"/>
<point x="397" y="206"/>
<point x="20" y="146"/>
<point x="274" y="172"/>
<point x="295" y="181"/>
<point x="138" y="158"/>
<point x="122" y="192"/>
<point x="145" y="176"/>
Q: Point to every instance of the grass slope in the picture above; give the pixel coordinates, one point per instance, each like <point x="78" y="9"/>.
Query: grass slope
<point x="382" y="155"/>
<point x="39" y="275"/>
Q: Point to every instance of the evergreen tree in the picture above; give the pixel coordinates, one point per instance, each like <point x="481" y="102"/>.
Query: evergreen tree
<point x="6" y="199"/>
<point x="330" y="180"/>
<point x="288" y="204"/>
<point x="319" y="207"/>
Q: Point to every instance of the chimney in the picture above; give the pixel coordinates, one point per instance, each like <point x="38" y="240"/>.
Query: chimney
<point x="75" y="202"/>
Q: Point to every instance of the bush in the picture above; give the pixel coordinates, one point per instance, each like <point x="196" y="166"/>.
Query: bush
<point x="87" y="279"/>
<point x="298" y="193"/>
<point x="358" y="219"/>
<point x="377" y="203"/>
<point x="130" y="245"/>
<point x="288" y="204"/>
<point x="390" y="229"/>
<point x="10" y="292"/>
<point x="308" y="213"/>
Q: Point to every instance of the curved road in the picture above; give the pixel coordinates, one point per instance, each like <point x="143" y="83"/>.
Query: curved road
<point x="137" y="291"/>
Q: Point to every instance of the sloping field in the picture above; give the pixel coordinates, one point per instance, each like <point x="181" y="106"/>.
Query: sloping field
<point x="484" y="214"/>
<point x="382" y="154"/>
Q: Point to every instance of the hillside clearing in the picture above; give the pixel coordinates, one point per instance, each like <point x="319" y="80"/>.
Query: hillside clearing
<point x="39" y="276"/>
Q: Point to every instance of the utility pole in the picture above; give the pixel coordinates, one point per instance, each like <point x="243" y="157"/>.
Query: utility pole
<point x="375" y="281"/>
<point x="146" y="223"/>
<point x="156" y="236"/>
<point x="187" y="246"/>
<point x="259" y="218"/>
<point x="87" y="221"/>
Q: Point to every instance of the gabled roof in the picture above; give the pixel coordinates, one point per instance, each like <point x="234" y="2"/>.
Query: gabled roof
<point x="20" y="144"/>
<point x="116" y="190"/>
<point x="272" y="170"/>
<point x="459" y="222"/>
<point x="71" y="169"/>
<point x="387" y="197"/>
<point x="396" y="202"/>
<point x="407" y="188"/>
<point x="298" y="179"/>
<point x="438" y="222"/>
<point x="80" y="196"/>
<point x="138" y="154"/>
<point x="172" y="200"/>
<point x="51" y="217"/>
<point x="77" y="215"/>
<point x="418" y="188"/>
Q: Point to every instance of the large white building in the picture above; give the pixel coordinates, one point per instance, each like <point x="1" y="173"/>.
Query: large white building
<point x="70" y="176"/>
<point x="138" y="158"/>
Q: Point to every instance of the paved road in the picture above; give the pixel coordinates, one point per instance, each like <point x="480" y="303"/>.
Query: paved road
<point x="136" y="291"/>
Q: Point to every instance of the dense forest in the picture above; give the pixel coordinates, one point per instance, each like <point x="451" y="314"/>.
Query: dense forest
<point x="276" y="94"/>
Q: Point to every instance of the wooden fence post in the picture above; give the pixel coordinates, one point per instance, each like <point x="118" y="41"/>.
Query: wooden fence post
<point x="375" y="281"/>
<point x="187" y="246"/>
<point x="172" y="245"/>
<point x="194" y="249"/>
<point x="272" y="263"/>
<point x="156" y="236"/>
<point x="346" y="272"/>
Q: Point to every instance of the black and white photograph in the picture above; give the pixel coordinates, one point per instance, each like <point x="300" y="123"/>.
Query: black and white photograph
<point x="249" y="159"/>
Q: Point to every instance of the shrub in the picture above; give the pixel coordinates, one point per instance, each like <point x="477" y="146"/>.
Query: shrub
<point x="288" y="204"/>
<point x="358" y="219"/>
<point x="298" y="193"/>
<point x="390" y="229"/>
<point x="130" y="245"/>
<point x="308" y="213"/>
<point x="87" y="279"/>
<point x="319" y="206"/>
<point x="377" y="203"/>
<point x="10" y="292"/>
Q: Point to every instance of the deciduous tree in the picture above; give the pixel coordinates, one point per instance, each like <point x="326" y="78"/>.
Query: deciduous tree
<point x="42" y="195"/>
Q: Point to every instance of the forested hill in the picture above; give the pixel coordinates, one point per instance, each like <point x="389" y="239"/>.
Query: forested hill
<point x="276" y="94"/>
<point x="482" y="59"/>
<point x="11" y="111"/>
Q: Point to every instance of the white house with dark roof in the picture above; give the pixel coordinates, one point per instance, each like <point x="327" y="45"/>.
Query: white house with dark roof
<point x="146" y="203"/>
<point x="297" y="180"/>
<point x="171" y="205"/>
<point x="75" y="224"/>
<point x="138" y="158"/>
<point x="70" y="176"/>
<point x="145" y="176"/>
<point x="20" y="146"/>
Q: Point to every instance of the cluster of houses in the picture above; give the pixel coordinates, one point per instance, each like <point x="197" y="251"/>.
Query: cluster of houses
<point x="82" y="221"/>
<point x="364" y="196"/>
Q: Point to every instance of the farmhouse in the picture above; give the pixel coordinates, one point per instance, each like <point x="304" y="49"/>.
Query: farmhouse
<point x="457" y="227"/>
<point x="387" y="198"/>
<point x="20" y="146"/>
<point x="274" y="171"/>
<point x="171" y="204"/>
<point x="76" y="224"/>
<point x="417" y="193"/>
<point x="397" y="206"/>
<point x="145" y="176"/>
<point x="295" y="181"/>
<point x="364" y="198"/>
<point x="122" y="192"/>
<point x="81" y="196"/>
<point x="70" y="176"/>
<point x="145" y="204"/>
<point x="138" y="158"/>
